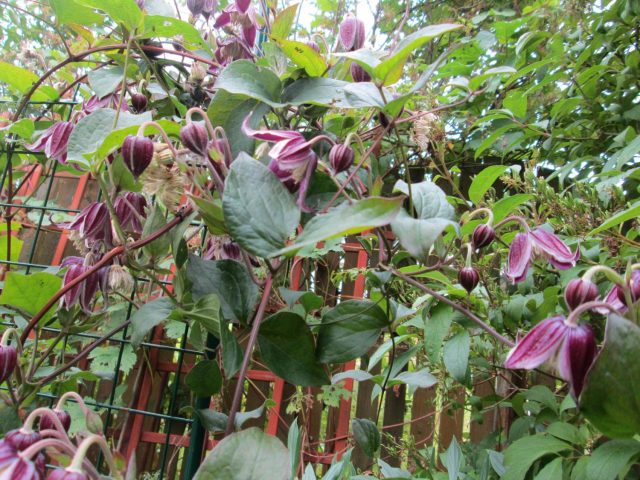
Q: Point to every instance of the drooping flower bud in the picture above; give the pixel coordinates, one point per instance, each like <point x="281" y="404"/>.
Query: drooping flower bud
<point x="22" y="439"/>
<point x="576" y="356"/>
<point x="137" y="153"/>
<point x="358" y="73"/>
<point x="129" y="208"/>
<point x="313" y="45"/>
<point x="93" y="422"/>
<point x="579" y="291"/>
<point x="67" y="474"/>
<point x="65" y="419"/>
<point x="194" y="136"/>
<point x="352" y="33"/>
<point x="8" y="361"/>
<point x="468" y="278"/>
<point x="196" y="7"/>
<point x="341" y="157"/>
<point x="138" y="102"/>
<point x="483" y="235"/>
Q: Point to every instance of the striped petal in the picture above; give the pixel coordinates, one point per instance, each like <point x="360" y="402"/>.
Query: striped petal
<point x="540" y="344"/>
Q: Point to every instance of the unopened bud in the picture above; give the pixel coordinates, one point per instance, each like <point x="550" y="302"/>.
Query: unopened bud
<point x="22" y="439"/>
<point x="314" y="46"/>
<point x="194" y="136"/>
<point x="8" y="361"/>
<point x="138" y="102"/>
<point x="93" y="421"/>
<point x="352" y="33"/>
<point x="483" y="235"/>
<point x="579" y="291"/>
<point x="137" y="153"/>
<point x="341" y="157"/>
<point x="468" y="278"/>
<point x="65" y="419"/>
<point x="358" y="73"/>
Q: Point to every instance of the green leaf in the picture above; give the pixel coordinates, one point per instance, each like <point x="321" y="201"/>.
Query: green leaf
<point x="228" y="111"/>
<point x="367" y="436"/>
<point x="16" y="247"/>
<point x="281" y="27"/>
<point x="304" y="56"/>
<point x="91" y="131"/>
<point x="551" y="471"/>
<point x="435" y="214"/>
<point x="105" y="360"/>
<point x="522" y="453"/>
<point x="454" y="458"/>
<point x="212" y="421"/>
<point x="30" y="293"/>
<point x="611" y="396"/>
<point x="243" y="77"/>
<point x="622" y="156"/>
<point x="418" y="378"/>
<point x="294" y="445"/>
<point x="612" y="459"/>
<point x="345" y="219"/>
<point x="154" y="222"/>
<point x="21" y="80"/>
<point x="168" y="27"/>
<point x="287" y="348"/>
<point x="105" y="80"/>
<point x="229" y="280"/>
<point x="630" y="213"/>
<point x="330" y="92"/>
<point x="259" y="211"/>
<point x="148" y="316"/>
<point x="484" y="181"/>
<point x="231" y="350"/>
<point x="349" y="330"/>
<point x="247" y="455"/>
<point x="212" y="215"/>
<point x="516" y="102"/>
<point x="69" y="11"/>
<point x="456" y="355"/>
<point x="506" y="205"/>
<point x="436" y="328"/>
<point x="390" y="69"/>
<point x="204" y="379"/>
<point x="125" y="12"/>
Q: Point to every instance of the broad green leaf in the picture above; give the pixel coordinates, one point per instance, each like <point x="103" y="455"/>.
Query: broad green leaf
<point x="148" y="316"/>
<point x="551" y="471"/>
<point x="418" y="378"/>
<point x="155" y="221"/>
<point x="259" y="211"/>
<point x="308" y="300"/>
<point x="21" y="80"/>
<point x="612" y="459"/>
<point x="435" y="214"/>
<point x="30" y="293"/>
<point x="521" y="454"/>
<point x="16" y="247"/>
<point x="611" y="396"/>
<point x="456" y="355"/>
<point x="330" y="92"/>
<point x="304" y="56"/>
<point x="357" y="375"/>
<point x="366" y="435"/>
<point x="159" y="26"/>
<point x="436" y="328"/>
<point x="294" y="445"/>
<point x="228" y="111"/>
<point x="211" y="420"/>
<point x="91" y="131"/>
<point x="630" y="213"/>
<point x="246" y="455"/>
<point x="454" y="458"/>
<point x="484" y="181"/>
<point x="204" y="379"/>
<point x="390" y="70"/>
<point x="105" y="80"/>
<point x="506" y="205"/>
<point x="70" y="11"/>
<point x="622" y="156"/>
<point x="125" y="12"/>
<point x="516" y="102"/>
<point x="346" y="219"/>
<point x="243" y="77"/>
<point x="349" y="330"/>
<point x="105" y="361"/>
<point x="284" y="21"/>
<point x="229" y="280"/>
<point x="231" y="350"/>
<point x="212" y="215"/>
<point x="287" y="348"/>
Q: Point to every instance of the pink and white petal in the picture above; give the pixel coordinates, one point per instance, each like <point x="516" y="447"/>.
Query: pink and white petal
<point x="268" y="135"/>
<point x="540" y="344"/>
<point x="519" y="258"/>
<point x="552" y="246"/>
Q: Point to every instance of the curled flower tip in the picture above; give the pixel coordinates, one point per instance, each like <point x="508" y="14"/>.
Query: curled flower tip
<point x="138" y="102"/>
<point x="468" y="278"/>
<point x="137" y="153"/>
<point x="540" y="344"/>
<point x="341" y="157"/>
<point x="358" y="73"/>
<point x="553" y="249"/>
<point x="519" y="258"/>
<point x="483" y="235"/>
<point x="53" y="141"/>
<point x="352" y="33"/>
<point x="8" y="361"/>
<point x="579" y="291"/>
<point x="65" y="419"/>
<point x="576" y="356"/>
<point x="67" y="474"/>
<point x="194" y="136"/>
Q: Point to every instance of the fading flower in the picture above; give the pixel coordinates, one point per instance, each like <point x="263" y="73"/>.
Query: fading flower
<point x="571" y="347"/>
<point x="120" y="280"/>
<point x="166" y="183"/>
<point x="53" y="141"/>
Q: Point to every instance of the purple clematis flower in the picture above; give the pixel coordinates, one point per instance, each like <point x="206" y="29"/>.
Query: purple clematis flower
<point x="292" y="158"/>
<point x="53" y="141"/>
<point x="352" y="33"/>
<point x="615" y="297"/>
<point x="108" y="101"/>
<point x="93" y="224"/>
<point x="243" y="14"/>
<point x="130" y="208"/>
<point x="8" y="361"/>
<point x="85" y="291"/>
<point x="540" y="243"/>
<point x="572" y="346"/>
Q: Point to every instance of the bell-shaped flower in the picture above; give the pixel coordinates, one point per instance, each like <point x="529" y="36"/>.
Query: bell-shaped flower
<point x="130" y="209"/>
<point x="20" y="469"/>
<point x="539" y="243"/>
<point x="93" y="224"/>
<point x="137" y="153"/>
<point x="8" y="361"/>
<point x="22" y="438"/>
<point x="53" y="141"/>
<point x="85" y="291"/>
<point x="351" y="33"/>
<point x="616" y="297"/>
<point x="47" y="424"/>
<point x="571" y="347"/>
<point x="108" y="101"/>
<point x="579" y="291"/>
<point x="242" y="14"/>
<point x="292" y="158"/>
